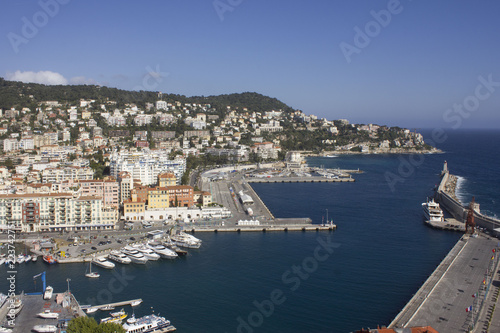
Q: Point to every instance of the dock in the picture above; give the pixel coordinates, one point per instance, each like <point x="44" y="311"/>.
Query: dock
<point x="264" y="228"/>
<point x="112" y="305"/>
<point x="299" y="180"/>
<point x="442" y="300"/>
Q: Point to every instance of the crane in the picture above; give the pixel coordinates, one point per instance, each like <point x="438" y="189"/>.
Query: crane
<point x="470" y="217"/>
<point x="42" y="275"/>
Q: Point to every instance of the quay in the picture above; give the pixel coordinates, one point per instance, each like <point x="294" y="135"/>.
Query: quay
<point x="264" y="228"/>
<point x="299" y="180"/>
<point x="462" y="293"/>
<point x="113" y="305"/>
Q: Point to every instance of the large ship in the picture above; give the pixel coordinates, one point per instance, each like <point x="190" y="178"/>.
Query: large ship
<point x="432" y="211"/>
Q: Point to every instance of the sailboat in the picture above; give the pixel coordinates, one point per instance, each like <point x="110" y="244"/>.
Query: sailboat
<point x="91" y="274"/>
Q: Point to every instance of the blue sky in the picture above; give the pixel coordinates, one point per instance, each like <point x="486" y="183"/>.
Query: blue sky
<point x="409" y="69"/>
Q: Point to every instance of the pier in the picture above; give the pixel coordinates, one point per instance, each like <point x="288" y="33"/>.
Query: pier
<point x="113" y="305"/>
<point x="462" y="292"/>
<point x="300" y="180"/>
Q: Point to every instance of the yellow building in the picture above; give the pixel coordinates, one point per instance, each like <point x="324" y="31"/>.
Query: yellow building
<point x="166" y="179"/>
<point x="158" y="198"/>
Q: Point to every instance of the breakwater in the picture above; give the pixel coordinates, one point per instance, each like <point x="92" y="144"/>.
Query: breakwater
<point x="446" y="197"/>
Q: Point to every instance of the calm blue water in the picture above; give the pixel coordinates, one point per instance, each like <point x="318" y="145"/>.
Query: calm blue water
<point x="383" y="252"/>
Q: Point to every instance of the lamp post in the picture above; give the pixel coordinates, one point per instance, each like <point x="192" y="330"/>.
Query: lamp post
<point x="67" y="280"/>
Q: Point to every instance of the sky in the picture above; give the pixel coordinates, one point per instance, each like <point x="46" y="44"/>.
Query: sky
<point x="408" y="63"/>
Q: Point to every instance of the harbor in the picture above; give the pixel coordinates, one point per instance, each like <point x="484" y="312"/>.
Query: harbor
<point x="457" y="296"/>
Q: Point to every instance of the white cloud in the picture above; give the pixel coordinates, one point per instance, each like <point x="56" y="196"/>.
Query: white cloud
<point x="44" y="77"/>
<point x="47" y="77"/>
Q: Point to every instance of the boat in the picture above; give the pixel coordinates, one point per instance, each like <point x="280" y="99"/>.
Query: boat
<point x="102" y="262"/>
<point x="49" y="259"/>
<point x="135" y="303"/>
<point x="170" y="245"/>
<point x="27" y="258"/>
<point x="163" y="251"/>
<point x="45" y="328"/>
<point x="5" y="330"/>
<point x="47" y="314"/>
<point x="432" y="211"/>
<point x="20" y="259"/>
<point x="146" y="324"/>
<point x="119" y="257"/>
<point x="34" y="257"/>
<point x="91" y="274"/>
<point x="107" y="308"/>
<point x="92" y="309"/>
<point x="147" y="252"/>
<point x="2" y="261"/>
<point x="184" y="240"/>
<point x="117" y="319"/>
<point x="16" y="307"/>
<point x="134" y="255"/>
<point x="118" y="313"/>
<point x="48" y="292"/>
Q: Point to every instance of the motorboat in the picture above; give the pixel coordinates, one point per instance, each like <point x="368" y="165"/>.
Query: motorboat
<point x="92" y="309"/>
<point x="91" y="274"/>
<point x="49" y="259"/>
<point x="17" y="306"/>
<point x="45" y="328"/>
<point x="185" y="240"/>
<point x="170" y="245"/>
<point x="150" y="323"/>
<point x="47" y="314"/>
<point x="48" y="292"/>
<point x="118" y="313"/>
<point x="34" y="257"/>
<point x="134" y="255"/>
<point x="20" y="259"/>
<point x="432" y="211"/>
<point x="163" y="251"/>
<point x="27" y="258"/>
<point x="116" y="319"/>
<point x="147" y="252"/>
<point x="119" y="257"/>
<point x="107" y="308"/>
<point x="135" y="303"/>
<point x="102" y="262"/>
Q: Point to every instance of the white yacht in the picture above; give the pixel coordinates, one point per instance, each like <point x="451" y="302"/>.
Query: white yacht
<point x="151" y="323"/>
<point x="119" y="257"/>
<point x="102" y="262"/>
<point x="48" y="315"/>
<point x="164" y="252"/>
<point x="186" y="240"/>
<point x="48" y="292"/>
<point x="432" y="211"/>
<point x="45" y="328"/>
<point x="147" y="252"/>
<point x="134" y="255"/>
<point x="20" y="259"/>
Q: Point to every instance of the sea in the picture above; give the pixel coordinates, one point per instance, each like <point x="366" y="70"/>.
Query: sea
<point x="359" y="276"/>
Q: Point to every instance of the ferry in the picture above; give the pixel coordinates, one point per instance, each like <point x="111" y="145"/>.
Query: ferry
<point x="432" y="211"/>
<point x="148" y="324"/>
<point x="119" y="257"/>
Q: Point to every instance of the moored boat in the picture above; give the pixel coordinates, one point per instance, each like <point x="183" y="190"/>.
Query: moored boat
<point x="49" y="259"/>
<point x="163" y="251"/>
<point x="48" y="292"/>
<point x="432" y="211"/>
<point x="151" y="323"/>
<point x="102" y="262"/>
<point x="115" y="319"/>
<point x="92" y="309"/>
<point x="147" y="252"/>
<point x="119" y="257"/>
<point x="134" y="255"/>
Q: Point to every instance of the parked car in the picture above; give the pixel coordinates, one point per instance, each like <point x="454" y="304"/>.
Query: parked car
<point x="94" y="248"/>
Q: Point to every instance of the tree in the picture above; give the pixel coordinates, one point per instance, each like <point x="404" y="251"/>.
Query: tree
<point x="89" y="325"/>
<point x="82" y="325"/>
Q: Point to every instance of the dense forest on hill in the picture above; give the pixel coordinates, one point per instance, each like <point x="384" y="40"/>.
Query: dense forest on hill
<point x="19" y="95"/>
